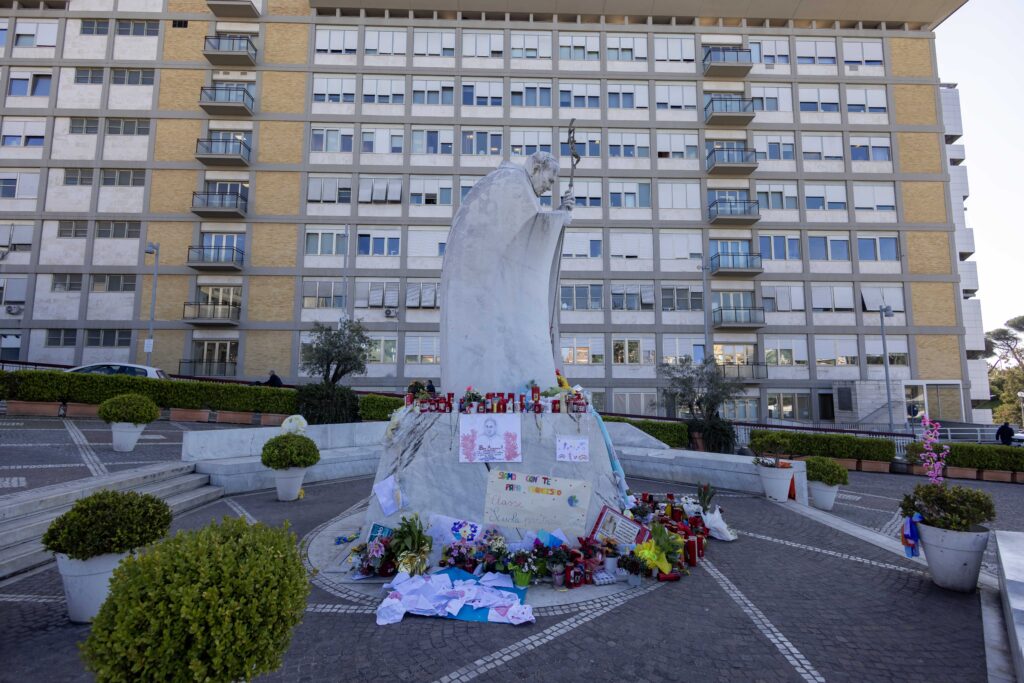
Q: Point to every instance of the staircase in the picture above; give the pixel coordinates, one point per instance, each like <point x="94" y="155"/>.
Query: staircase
<point x="25" y="516"/>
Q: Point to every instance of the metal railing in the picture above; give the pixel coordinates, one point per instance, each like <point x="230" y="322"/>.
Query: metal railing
<point x="221" y="94"/>
<point x="738" y="316"/>
<point x="213" y="255"/>
<point x="735" y="262"/>
<point x="727" y="55"/>
<point x="200" y="311"/>
<point x="728" y="105"/>
<point x="740" y="208"/>
<point x="205" y="368"/>
<point x="220" y="200"/>
<point x="725" y="156"/>
<point x="900" y="440"/>
<point x="211" y="146"/>
<point x="230" y="44"/>
<point x="743" y="370"/>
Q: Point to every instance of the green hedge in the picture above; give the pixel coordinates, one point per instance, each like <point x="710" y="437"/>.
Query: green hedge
<point x="377" y="408"/>
<point x="74" y="387"/>
<point x="975" y="455"/>
<point x="672" y="434"/>
<point x="828" y="445"/>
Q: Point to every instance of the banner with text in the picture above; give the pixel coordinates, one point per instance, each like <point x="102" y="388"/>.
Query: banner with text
<point x="535" y="501"/>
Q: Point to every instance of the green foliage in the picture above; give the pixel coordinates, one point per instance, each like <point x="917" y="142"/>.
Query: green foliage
<point x="673" y="434"/>
<point x="334" y="352"/>
<point x="108" y="522"/>
<point x="975" y="455"/>
<point x="700" y="388"/>
<point x="667" y="542"/>
<point x="376" y="408"/>
<point x="632" y="564"/>
<point x="769" y="443"/>
<point x="956" y="508"/>
<point x="6" y="382"/>
<point x="827" y="471"/>
<point x="705" y="494"/>
<point x="828" y="445"/>
<point x="324" y="403"/>
<point x="134" y="408"/>
<point x="1004" y="384"/>
<point x="217" y="604"/>
<point x="719" y="435"/>
<point x="409" y="537"/>
<point x="289" y="450"/>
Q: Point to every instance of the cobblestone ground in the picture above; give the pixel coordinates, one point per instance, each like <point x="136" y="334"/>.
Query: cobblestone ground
<point x="791" y="600"/>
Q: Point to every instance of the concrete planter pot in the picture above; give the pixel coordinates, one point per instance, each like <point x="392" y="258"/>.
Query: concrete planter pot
<point x="776" y="482"/>
<point x="874" y="466"/>
<point x="997" y="475"/>
<point x="954" y="557"/>
<point x="33" y="408"/>
<point x="288" y="482"/>
<point x="961" y="472"/>
<point x="823" y="496"/>
<point x="919" y="470"/>
<point x="1018" y="477"/>
<point x="611" y="565"/>
<point x="849" y="463"/>
<point x="126" y="435"/>
<point x="86" y="583"/>
<point x="271" y="419"/>
<point x="81" y="410"/>
<point x="190" y="415"/>
<point x="634" y="580"/>
<point x="233" y="417"/>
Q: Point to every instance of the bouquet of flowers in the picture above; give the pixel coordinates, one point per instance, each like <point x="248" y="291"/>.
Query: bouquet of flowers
<point x="609" y="547"/>
<point x="462" y="554"/>
<point x="523" y="561"/>
<point x="472" y="396"/>
<point x="373" y="555"/>
<point x="494" y="551"/>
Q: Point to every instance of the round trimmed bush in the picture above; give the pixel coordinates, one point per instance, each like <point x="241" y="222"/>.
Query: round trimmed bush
<point x="827" y="471"/>
<point x="108" y="522"/>
<point x="290" y="450"/>
<point x="956" y="508"/>
<point x="214" y="604"/>
<point x="134" y="408"/>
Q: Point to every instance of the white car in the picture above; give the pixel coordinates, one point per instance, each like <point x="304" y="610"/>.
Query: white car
<point x="130" y="369"/>
<point x="1018" y="439"/>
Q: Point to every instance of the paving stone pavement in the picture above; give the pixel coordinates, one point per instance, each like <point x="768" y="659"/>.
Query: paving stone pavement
<point x="790" y="600"/>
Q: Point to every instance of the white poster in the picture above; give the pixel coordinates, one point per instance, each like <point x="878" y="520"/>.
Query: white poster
<point x="490" y="437"/>
<point x="572" y="448"/>
<point x="535" y="501"/>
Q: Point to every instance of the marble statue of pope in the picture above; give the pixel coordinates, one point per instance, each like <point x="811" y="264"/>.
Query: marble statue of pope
<point x="499" y="283"/>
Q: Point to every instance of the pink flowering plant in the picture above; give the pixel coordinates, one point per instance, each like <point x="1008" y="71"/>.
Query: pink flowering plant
<point x="934" y="462"/>
<point x="472" y="395"/>
<point x="460" y="554"/>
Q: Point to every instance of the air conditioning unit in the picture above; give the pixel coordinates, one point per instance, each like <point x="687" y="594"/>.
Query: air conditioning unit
<point x="390" y="312"/>
<point x="14" y="309"/>
<point x="853" y="67"/>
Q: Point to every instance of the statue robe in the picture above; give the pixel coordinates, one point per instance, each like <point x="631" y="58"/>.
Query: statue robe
<point x="499" y="286"/>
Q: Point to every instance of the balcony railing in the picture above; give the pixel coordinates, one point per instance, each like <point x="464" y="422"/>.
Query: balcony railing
<point x="723" y="160"/>
<point x="727" y="61"/>
<point x="206" y="368"/>
<point x="741" y="210"/>
<point x="739" y="262"/>
<point x="219" y="202"/>
<point x="230" y="50"/>
<point x="225" y="257"/>
<point x="743" y="370"/>
<point x="222" y="99"/>
<point x="738" y="317"/>
<point x="213" y="312"/>
<point x="728" y="110"/>
<point x="219" y="151"/>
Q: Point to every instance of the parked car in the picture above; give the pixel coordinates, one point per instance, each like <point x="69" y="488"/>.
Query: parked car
<point x="121" y="369"/>
<point x="1018" y="439"/>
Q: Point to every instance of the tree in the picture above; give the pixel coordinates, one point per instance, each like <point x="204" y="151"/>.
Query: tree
<point x="333" y="353"/>
<point x="1005" y="383"/>
<point x="1006" y="344"/>
<point x="701" y="388"/>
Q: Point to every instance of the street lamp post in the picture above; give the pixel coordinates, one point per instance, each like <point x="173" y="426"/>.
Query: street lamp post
<point x="705" y="266"/>
<point x="152" y="248"/>
<point x="883" y="313"/>
<point x="1020" y="395"/>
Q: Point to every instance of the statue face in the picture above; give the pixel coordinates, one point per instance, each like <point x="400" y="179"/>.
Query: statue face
<point x="544" y="173"/>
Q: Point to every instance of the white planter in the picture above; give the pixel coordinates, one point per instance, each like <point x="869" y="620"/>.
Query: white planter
<point x="633" y="580"/>
<point x="611" y="565"/>
<point x="126" y="435"/>
<point x="954" y="557"/>
<point x="289" y="481"/>
<point x="823" y="496"/>
<point x="776" y="482"/>
<point x="86" y="583"/>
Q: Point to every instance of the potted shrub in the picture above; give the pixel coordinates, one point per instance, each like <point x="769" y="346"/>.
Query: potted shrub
<point x="775" y="475"/>
<point x="634" y="565"/>
<point x="556" y="563"/>
<point x="611" y="556"/>
<point x="214" y="604"/>
<point x="92" y="538"/>
<point x="824" y="475"/>
<point x="523" y="566"/>
<point x="128" y="415"/>
<point x="289" y="455"/>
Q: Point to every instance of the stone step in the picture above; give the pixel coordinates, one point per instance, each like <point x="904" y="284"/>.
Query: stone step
<point x="243" y="474"/>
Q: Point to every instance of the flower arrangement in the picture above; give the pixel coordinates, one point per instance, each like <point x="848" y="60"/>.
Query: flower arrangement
<point x="641" y="512"/>
<point x="632" y="564"/>
<point x="559" y="556"/>
<point x="705" y="494"/>
<point x="411" y="545"/>
<point x="461" y="554"/>
<point x="933" y="462"/>
<point x="591" y="548"/>
<point x="472" y="395"/>
<point x="609" y="547"/>
<point x="373" y="556"/>
<point x="523" y="561"/>
<point x="771" y="461"/>
<point x="495" y="551"/>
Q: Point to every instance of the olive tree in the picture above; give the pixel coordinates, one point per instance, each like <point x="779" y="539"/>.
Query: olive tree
<point x="332" y="353"/>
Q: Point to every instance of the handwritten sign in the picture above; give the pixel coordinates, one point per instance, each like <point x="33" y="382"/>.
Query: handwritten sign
<point x="533" y="501"/>
<point x="619" y="528"/>
<point x="490" y="437"/>
<point x="572" y="448"/>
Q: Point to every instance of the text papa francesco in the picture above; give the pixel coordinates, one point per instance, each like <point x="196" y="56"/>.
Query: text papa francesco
<point x="530" y="478"/>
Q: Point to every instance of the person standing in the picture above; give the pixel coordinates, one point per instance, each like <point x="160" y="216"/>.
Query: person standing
<point x="430" y="388"/>
<point x="1005" y="434"/>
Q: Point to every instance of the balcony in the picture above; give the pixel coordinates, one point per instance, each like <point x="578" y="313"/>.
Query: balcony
<point x="728" y="111"/>
<point x="223" y="152"/>
<point x="743" y="371"/>
<point x="736" y="264"/>
<point x="737" y="318"/>
<point x="207" y="368"/>
<point x="219" y="204"/>
<point x="211" y="314"/>
<point x="215" y="258"/>
<point x="732" y="161"/>
<point x="734" y="212"/>
<point x="221" y="100"/>
<point x="229" y="51"/>
<point x="233" y="9"/>
<point x="729" y="62"/>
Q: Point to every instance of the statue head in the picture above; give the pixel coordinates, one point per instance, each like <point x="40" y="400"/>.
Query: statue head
<point x="542" y="168"/>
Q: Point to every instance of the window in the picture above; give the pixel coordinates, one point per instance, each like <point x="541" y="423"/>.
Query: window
<point x="73" y="229"/>
<point x="823" y="99"/>
<point x="109" y="338"/>
<point x="635" y="402"/>
<point x="483" y="44"/>
<point x="582" y="349"/>
<point x="426" y="191"/>
<point x="579" y="95"/>
<point x="821" y="147"/>
<point x="680" y="298"/>
<point x="627" y="48"/>
<point x="440" y="248"/>
<point x="829" y="248"/>
<point x="29" y="85"/>
<point x="527" y="142"/>
<point x="740" y="409"/>
<point x="179" y="23"/>
<point x="735" y="354"/>
<point x="35" y="34"/>
<point x="61" y="337"/>
<point x="866" y="100"/>
<point x="874" y="197"/>
<point x="897" y="346"/>
<point x="330" y="139"/>
<point x="118" y="229"/>
<point x="863" y="52"/>
<point x="632" y="297"/>
<point x="18" y="185"/>
<point x="131" y="76"/>
<point x="383" y="90"/>
<point x="782" y="298"/>
<point x="580" y="47"/>
<point x="579" y="244"/>
<point x="423" y="294"/>
<point x="677" y="145"/>
<point x="630" y="244"/>
<point x="329" y="190"/>
<point x="384" y="42"/>
<point x="772" y="98"/>
<point x="84" y="126"/>
<point x="588" y="143"/>
<point x="334" y="89"/>
<point x="124" y="177"/>
<point x="433" y="43"/>
<point x="773" y="146"/>
<point x="326" y="242"/>
<point x="675" y="96"/>
<point x="88" y="76"/>
<point x="324" y="293"/>
<point x="629" y="145"/>
<point x="482" y="93"/>
<point x="3" y="43"/>
<point x="789" y="406"/>
<point x="127" y="126"/>
<point x="422" y="349"/>
<point x="874" y="148"/>
<point x="769" y="51"/>
<point x="776" y="196"/>
<point x="784" y="350"/>
<point x="382" y="351"/>
<point x="836" y="351"/>
<point x="14" y="237"/>
<point x="377" y="294"/>
<point x="633" y="351"/>
<point x="66" y="282"/>
<point x="137" y="27"/>
<point x="825" y="198"/>
<point x="433" y="141"/>
<point x="12" y="290"/>
<point x="113" y="283"/>
<point x="481" y="142"/>
<point x="874" y="297"/>
<point x="382" y="140"/>
<point x="629" y="194"/>
<point x="675" y="348"/>
<point x="336" y="41"/>
<point x="378" y="244"/>
<point x="815" y="51"/>
<point x="78" y="176"/>
<point x="23" y="132"/>
<point x="588" y="192"/>
<point x="673" y="49"/>
<point x="530" y="93"/>
<point x="582" y="297"/>
<point x="465" y="185"/>
<point x="878" y="248"/>
<point x="680" y="245"/>
<point x="95" y="27"/>
<point x="827" y="298"/>
<point x="433" y="92"/>
<point x="530" y="45"/>
<point x="779" y="247"/>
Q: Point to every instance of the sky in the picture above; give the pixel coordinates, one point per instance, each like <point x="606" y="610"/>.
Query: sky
<point x="979" y="50"/>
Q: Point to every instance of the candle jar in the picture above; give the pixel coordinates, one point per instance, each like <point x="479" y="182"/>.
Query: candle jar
<point x="480" y="407"/>
<point x="537" y="407"/>
<point x="555" y="406"/>
<point x="535" y="394"/>
<point x="408" y="399"/>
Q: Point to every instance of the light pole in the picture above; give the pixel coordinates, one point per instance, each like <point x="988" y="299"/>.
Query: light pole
<point x="705" y="266"/>
<point x="154" y="249"/>
<point x="1020" y="395"/>
<point x="883" y="313"/>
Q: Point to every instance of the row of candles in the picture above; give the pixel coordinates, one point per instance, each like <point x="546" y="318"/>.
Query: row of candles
<point x="501" y="403"/>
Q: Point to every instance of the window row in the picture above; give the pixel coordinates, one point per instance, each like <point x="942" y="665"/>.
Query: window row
<point x="63" y="337"/>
